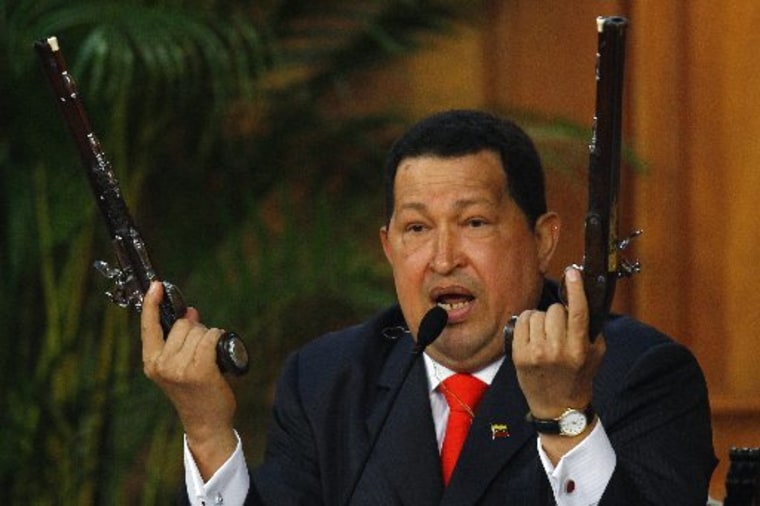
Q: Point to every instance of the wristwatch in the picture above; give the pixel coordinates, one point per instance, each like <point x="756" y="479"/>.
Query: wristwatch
<point x="571" y="423"/>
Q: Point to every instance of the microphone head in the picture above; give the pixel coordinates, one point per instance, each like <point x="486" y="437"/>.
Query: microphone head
<point x="431" y="326"/>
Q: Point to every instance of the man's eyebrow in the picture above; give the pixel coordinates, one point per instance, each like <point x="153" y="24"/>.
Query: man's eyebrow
<point x="412" y="206"/>
<point x="463" y="203"/>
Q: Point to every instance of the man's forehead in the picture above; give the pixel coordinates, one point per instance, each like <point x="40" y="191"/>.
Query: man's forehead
<point x="479" y="172"/>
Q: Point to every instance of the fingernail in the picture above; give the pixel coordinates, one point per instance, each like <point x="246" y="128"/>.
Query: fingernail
<point x="572" y="274"/>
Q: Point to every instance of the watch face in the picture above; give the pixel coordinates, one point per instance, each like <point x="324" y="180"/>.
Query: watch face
<point x="572" y="423"/>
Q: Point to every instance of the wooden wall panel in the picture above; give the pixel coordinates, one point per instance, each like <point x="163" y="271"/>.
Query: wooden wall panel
<point x="723" y="48"/>
<point x="543" y="56"/>
<point x="737" y="106"/>
<point x="656" y="93"/>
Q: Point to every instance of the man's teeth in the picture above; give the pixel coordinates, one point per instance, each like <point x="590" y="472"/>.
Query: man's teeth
<point x="453" y="305"/>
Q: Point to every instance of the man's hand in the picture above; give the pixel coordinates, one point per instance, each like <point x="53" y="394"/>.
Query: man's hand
<point x="556" y="362"/>
<point x="184" y="367"/>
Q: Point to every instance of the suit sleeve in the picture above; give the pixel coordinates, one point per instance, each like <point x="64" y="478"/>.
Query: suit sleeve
<point x="289" y="474"/>
<point x="659" y="426"/>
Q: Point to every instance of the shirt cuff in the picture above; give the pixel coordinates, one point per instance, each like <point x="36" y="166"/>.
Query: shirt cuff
<point x="582" y="474"/>
<point x="228" y="486"/>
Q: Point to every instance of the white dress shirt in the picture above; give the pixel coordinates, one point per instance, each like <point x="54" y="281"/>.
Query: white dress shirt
<point x="578" y="480"/>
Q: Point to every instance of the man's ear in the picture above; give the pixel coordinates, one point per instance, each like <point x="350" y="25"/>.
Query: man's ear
<point x="386" y="243"/>
<point x="547" y="231"/>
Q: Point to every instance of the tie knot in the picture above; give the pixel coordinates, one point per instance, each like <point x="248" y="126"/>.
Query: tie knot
<point x="463" y="392"/>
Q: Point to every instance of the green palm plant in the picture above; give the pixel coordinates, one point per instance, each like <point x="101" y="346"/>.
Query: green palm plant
<point x="230" y="127"/>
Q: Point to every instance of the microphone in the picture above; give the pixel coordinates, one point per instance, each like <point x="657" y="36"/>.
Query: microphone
<point x="431" y="326"/>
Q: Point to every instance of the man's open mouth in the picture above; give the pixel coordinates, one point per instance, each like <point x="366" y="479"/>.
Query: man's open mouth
<point x="452" y="302"/>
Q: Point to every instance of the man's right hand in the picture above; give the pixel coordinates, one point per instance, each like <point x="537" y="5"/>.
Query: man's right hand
<point x="556" y="362"/>
<point x="184" y="367"/>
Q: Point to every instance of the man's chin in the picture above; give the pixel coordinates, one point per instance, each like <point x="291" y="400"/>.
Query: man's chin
<point x="463" y="355"/>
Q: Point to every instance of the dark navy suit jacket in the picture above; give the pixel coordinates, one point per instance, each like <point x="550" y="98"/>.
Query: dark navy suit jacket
<point x="333" y="394"/>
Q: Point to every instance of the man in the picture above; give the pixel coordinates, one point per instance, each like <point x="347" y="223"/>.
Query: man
<point x="467" y="229"/>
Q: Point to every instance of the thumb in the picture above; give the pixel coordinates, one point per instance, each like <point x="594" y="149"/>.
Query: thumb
<point x="151" y="333"/>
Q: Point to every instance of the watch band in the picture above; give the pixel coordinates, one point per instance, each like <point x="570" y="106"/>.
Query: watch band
<point x="552" y="425"/>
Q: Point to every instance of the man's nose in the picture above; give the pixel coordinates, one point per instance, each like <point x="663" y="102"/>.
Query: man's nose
<point x="447" y="251"/>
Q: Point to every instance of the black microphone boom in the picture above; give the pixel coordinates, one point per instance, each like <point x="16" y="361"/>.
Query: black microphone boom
<point x="431" y="326"/>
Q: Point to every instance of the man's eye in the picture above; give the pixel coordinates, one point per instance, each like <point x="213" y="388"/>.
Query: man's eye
<point x="415" y="228"/>
<point x="476" y="222"/>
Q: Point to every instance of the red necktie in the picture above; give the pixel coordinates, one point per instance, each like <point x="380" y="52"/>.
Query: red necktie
<point x="463" y="393"/>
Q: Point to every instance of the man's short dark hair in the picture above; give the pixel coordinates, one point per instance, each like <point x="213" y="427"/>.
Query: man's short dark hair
<point x="464" y="132"/>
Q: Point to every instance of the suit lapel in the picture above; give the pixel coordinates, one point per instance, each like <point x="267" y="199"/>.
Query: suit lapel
<point x="407" y="448"/>
<point x="485" y="453"/>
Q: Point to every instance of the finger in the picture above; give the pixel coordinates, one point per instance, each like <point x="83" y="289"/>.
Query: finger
<point x="196" y="359"/>
<point x="205" y="352"/>
<point x="521" y="337"/>
<point x="179" y="333"/>
<point x="192" y="314"/>
<point x="191" y="336"/>
<point x="537" y="326"/>
<point x="577" y="305"/>
<point x="556" y="322"/>
<point x="187" y="328"/>
<point x="522" y="327"/>
<point x="151" y="333"/>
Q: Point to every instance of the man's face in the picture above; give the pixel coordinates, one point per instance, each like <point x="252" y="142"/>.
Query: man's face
<point x="457" y="239"/>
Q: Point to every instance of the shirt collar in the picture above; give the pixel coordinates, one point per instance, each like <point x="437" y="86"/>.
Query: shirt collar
<point x="436" y="373"/>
